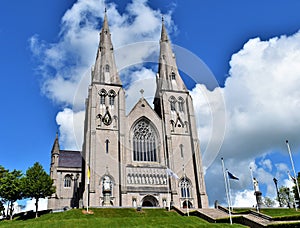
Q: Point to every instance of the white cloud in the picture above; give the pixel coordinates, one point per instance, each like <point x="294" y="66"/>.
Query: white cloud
<point x="142" y="80"/>
<point x="42" y="204"/>
<point x="262" y="94"/>
<point x="65" y="65"/>
<point x="262" y="100"/>
<point x="245" y="198"/>
<point x="71" y="128"/>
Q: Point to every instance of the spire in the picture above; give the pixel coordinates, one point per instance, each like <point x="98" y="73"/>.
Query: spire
<point x="55" y="147"/>
<point x="164" y="34"/>
<point x="168" y="75"/>
<point x="105" y="70"/>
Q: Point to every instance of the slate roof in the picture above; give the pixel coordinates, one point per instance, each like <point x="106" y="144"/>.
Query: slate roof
<point x="70" y="159"/>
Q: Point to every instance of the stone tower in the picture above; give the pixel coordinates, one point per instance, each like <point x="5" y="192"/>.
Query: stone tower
<point x="104" y="127"/>
<point x="148" y="157"/>
<point x="174" y="105"/>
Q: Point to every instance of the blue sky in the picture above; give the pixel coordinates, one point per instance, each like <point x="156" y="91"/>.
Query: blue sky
<point x="257" y="74"/>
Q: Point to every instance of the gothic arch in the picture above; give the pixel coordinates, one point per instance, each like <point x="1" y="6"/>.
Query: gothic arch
<point x="149" y="201"/>
<point x="145" y="141"/>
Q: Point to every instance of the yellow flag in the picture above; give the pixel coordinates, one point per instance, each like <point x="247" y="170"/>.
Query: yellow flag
<point x="89" y="175"/>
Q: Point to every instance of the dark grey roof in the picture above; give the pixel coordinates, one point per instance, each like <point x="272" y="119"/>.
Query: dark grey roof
<point x="70" y="159"/>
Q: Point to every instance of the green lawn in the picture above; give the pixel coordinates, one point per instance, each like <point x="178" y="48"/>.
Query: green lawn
<point x="109" y="217"/>
<point x="279" y="212"/>
<point x="273" y="212"/>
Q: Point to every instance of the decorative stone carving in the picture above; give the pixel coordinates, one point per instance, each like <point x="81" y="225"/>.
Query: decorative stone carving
<point x="146" y="176"/>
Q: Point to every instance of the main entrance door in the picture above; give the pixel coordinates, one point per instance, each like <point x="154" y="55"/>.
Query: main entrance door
<point x="149" y="201"/>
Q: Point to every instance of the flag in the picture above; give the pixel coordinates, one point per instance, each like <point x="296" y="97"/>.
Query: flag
<point x="231" y="176"/>
<point x="291" y="177"/>
<point x="171" y="173"/>
<point x="89" y="175"/>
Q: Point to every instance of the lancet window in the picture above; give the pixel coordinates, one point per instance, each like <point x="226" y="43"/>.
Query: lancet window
<point x="67" y="181"/>
<point x="111" y="96"/>
<point x="172" y="103"/>
<point x="180" y="104"/>
<point x="102" y="94"/>
<point x="185" y="188"/>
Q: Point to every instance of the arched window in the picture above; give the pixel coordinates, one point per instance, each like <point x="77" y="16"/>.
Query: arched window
<point x="102" y="94"/>
<point x="181" y="150"/>
<point x="172" y="103"/>
<point x="106" y="68"/>
<point x="185" y="188"/>
<point x="106" y="145"/>
<point x="67" y="181"/>
<point x="173" y="76"/>
<point x="180" y="104"/>
<point x="144" y="142"/>
<point x="111" y="96"/>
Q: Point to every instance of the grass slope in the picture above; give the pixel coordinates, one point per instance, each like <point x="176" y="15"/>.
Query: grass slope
<point x="111" y="217"/>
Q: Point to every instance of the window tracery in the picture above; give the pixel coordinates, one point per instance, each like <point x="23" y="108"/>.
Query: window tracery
<point x="185" y="188"/>
<point x="172" y="101"/>
<point x="144" y="142"/>
<point x="67" y="181"/>
<point x="102" y="94"/>
<point x="180" y="104"/>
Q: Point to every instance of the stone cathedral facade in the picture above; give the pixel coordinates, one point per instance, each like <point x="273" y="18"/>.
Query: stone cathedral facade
<point x="126" y="158"/>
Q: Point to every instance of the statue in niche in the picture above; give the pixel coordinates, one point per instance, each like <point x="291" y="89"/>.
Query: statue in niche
<point x="150" y="179"/>
<point x="255" y="183"/>
<point x="172" y="125"/>
<point x="106" y="184"/>
<point x="99" y="120"/>
<point x="143" y="178"/>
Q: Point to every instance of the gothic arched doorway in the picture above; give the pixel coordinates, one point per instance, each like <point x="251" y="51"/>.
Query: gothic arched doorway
<point x="185" y="203"/>
<point x="149" y="201"/>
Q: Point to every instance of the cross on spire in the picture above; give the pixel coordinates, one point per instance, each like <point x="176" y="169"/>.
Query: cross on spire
<point x="142" y="93"/>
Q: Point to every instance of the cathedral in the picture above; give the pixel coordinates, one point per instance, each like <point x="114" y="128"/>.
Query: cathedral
<point x="149" y="157"/>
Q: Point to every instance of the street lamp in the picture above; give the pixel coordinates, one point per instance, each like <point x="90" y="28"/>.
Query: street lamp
<point x="278" y="197"/>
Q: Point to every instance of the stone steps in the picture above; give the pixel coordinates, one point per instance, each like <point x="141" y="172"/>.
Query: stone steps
<point x="213" y="213"/>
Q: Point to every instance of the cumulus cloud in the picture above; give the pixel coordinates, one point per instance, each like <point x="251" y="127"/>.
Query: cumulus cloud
<point x="65" y="65"/>
<point x="71" y="128"/>
<point x="261" y="94"/>
<point x="244" y="198"/>
<point x="262" y="103"/>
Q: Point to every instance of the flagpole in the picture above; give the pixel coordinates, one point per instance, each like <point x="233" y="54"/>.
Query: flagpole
<point x="88" y="189"/>
<point x="226" y="189"/>
<point x="168" y="197"/>
<point x="296" y="178"/>
<point x="229" y="190"/>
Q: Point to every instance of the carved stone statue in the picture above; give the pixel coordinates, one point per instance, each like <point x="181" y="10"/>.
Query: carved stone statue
<point x="106" y="184"/>
<point x="255" y="184"/>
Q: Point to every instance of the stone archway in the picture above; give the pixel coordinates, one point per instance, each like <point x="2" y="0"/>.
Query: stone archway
<point x="149" y="201"/>
<point x="185" y="203"/>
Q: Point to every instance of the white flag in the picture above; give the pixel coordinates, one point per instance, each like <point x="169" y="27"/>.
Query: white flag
<point x="171" y="173"/>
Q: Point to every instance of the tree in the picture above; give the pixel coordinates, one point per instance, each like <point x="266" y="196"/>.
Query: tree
<point x="1" y="208"/>
<point x="37" y="184"/>
<point x="285" y="196"/>
<point x="295" y="191"/>
<point x="11" y="188"/>
<point x="268" y="202"/>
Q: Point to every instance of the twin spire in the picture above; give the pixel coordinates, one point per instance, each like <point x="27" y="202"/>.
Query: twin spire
<point x="105" y="70"/>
